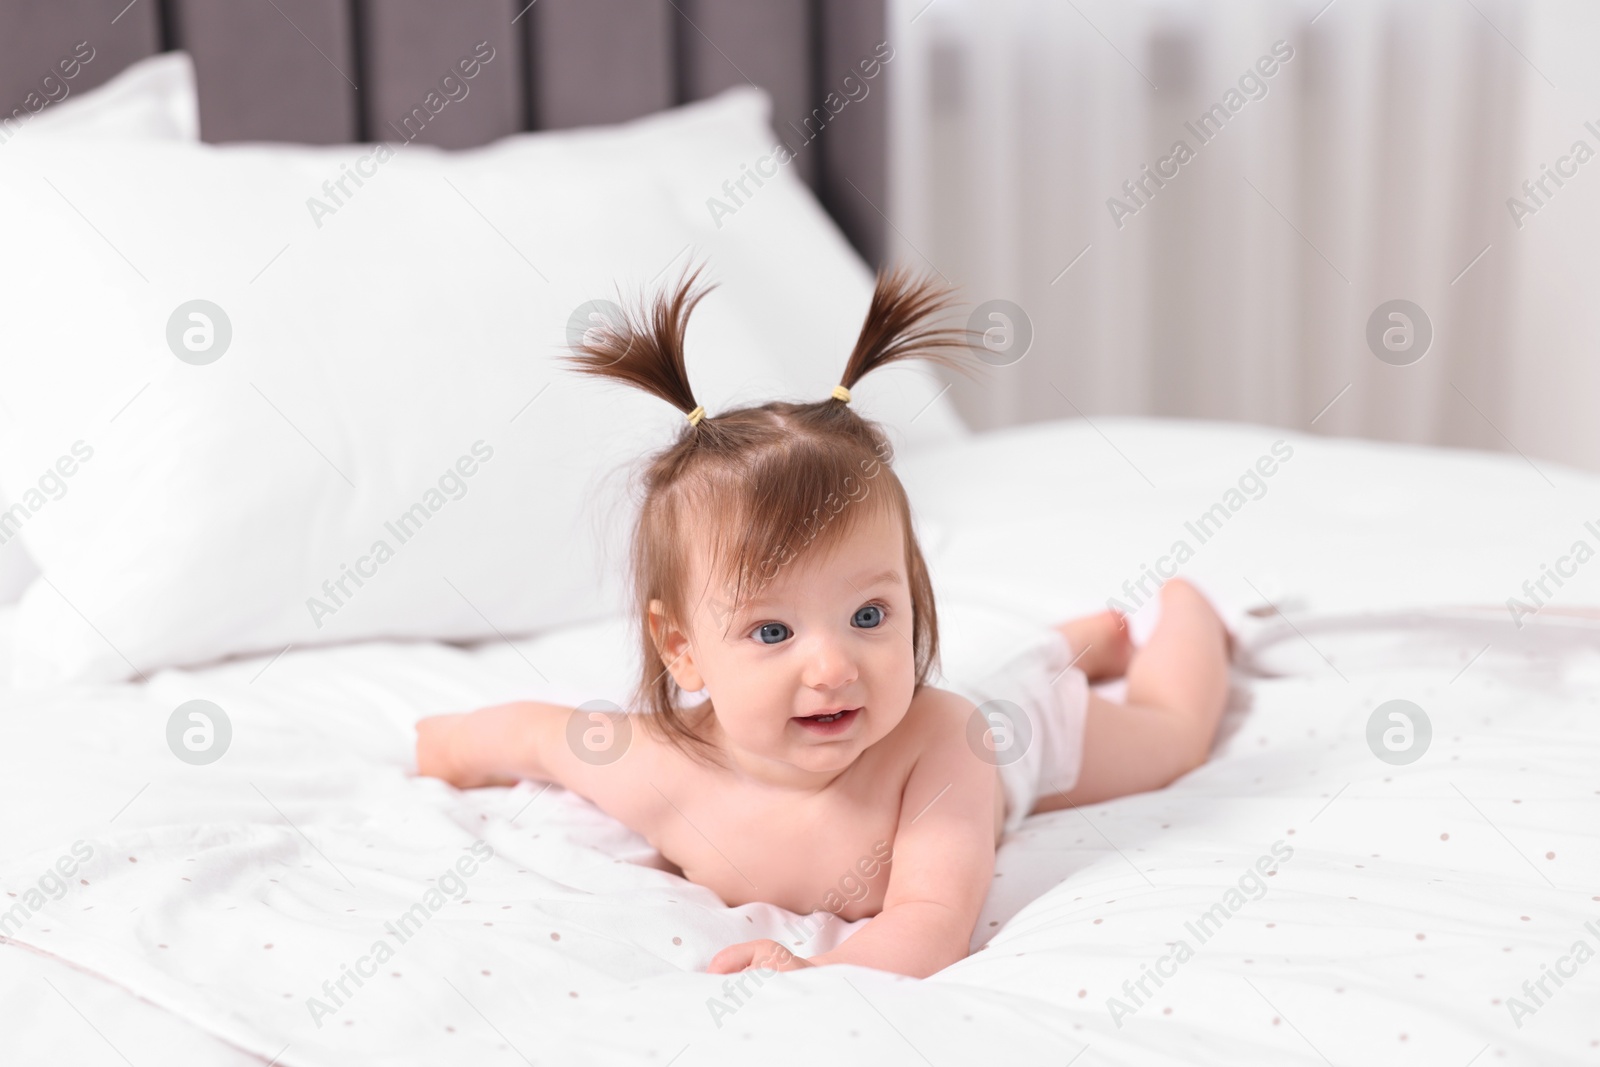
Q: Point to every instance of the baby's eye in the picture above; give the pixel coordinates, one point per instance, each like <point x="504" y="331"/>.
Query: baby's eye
<point x="764" y="631"/>
<point x="871" y="620"/>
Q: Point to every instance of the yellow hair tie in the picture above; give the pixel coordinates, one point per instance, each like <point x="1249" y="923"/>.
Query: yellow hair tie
<point x="841" y="393"/>
<point x="696" y="415"/>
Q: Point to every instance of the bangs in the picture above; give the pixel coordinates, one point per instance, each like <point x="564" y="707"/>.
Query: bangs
<point x="791" y="507"/>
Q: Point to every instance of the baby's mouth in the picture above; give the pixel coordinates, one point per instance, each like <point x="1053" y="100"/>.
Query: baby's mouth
<point x="828" y="724"/>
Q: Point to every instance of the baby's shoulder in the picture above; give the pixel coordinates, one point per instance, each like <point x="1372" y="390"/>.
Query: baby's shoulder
<point x="936" y="719"/>
<point x="936" y="712"/>
<point x="946" y="754"/>
<point x="617" y="760"/>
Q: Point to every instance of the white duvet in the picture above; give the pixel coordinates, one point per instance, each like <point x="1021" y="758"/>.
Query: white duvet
<point x="1297" y="900"/>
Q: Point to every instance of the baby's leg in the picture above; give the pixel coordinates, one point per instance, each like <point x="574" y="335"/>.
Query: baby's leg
<point x="1101" y="645"/>
<point x="1177" y="686"/>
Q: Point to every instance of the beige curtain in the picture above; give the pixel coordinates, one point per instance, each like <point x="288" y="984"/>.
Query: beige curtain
<point x="1352" y="154"/>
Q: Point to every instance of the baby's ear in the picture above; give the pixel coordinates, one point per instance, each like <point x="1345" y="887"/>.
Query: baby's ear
<point x="672" y="645"/>
<point x="658" y="622"/>
<point x="669" y="640"/>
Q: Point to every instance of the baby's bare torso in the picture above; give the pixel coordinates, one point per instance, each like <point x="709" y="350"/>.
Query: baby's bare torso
<point x="747" y="842"/>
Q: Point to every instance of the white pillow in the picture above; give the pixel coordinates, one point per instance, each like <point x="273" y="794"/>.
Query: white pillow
<point x="153" y="98"/>
<point x="397" y="352"/>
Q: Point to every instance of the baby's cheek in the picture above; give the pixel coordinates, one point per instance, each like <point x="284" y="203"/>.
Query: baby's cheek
<point x="905" y="685"/>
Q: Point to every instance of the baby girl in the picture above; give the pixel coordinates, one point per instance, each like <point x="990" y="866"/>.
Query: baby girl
<point x="775" y="569"/>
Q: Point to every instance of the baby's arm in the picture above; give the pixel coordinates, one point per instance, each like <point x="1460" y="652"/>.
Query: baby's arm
<point x="498" y="745"/>
<point x="943" y="859"/>
<point x="597" y="755"/>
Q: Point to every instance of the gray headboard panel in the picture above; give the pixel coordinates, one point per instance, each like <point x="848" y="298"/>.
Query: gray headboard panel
<point x="578" y="50"/>
<point x="329" y="71"/>
<point x="35" y="34"/>
<point x="279" y="71"/>
<point x="412" y="44"/>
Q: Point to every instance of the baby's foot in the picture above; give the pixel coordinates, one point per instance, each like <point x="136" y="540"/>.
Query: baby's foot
<point x="1102" y="644"/>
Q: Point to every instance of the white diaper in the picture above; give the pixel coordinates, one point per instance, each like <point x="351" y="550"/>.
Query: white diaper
<point x="1041" y="752"/>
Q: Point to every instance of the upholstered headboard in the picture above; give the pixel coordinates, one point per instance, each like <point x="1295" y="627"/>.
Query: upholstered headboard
<point x="326" y="71"/>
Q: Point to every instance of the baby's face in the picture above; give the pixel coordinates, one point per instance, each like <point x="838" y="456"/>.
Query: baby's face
<point x="827" y="632"/>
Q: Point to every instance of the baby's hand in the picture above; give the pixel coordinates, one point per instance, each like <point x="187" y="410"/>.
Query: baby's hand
<point x="768" y="955"/>
<point x="440" y="740"/>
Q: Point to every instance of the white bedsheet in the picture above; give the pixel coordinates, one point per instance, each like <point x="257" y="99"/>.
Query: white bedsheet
<point x="1417" y="899"/>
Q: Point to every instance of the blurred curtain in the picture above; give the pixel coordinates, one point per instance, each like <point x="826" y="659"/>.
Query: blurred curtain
<point x="1373" y="164"/>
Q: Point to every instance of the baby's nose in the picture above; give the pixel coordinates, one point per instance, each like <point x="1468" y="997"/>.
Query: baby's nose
<point x="830" y="666"/>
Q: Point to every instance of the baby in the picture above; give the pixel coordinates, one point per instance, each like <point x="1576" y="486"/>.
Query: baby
<point x="775" y="569"/>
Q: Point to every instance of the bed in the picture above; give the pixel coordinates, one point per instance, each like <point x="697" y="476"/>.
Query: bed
<point x="1336" y="885"/>
<point x="1416" y="901"/>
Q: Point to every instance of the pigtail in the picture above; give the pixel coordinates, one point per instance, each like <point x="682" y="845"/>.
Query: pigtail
<point x="899" y="326"/>
<point x="646" y="350"/>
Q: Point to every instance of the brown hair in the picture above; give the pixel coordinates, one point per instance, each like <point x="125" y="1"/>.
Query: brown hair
<point x="759" y="478"/>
